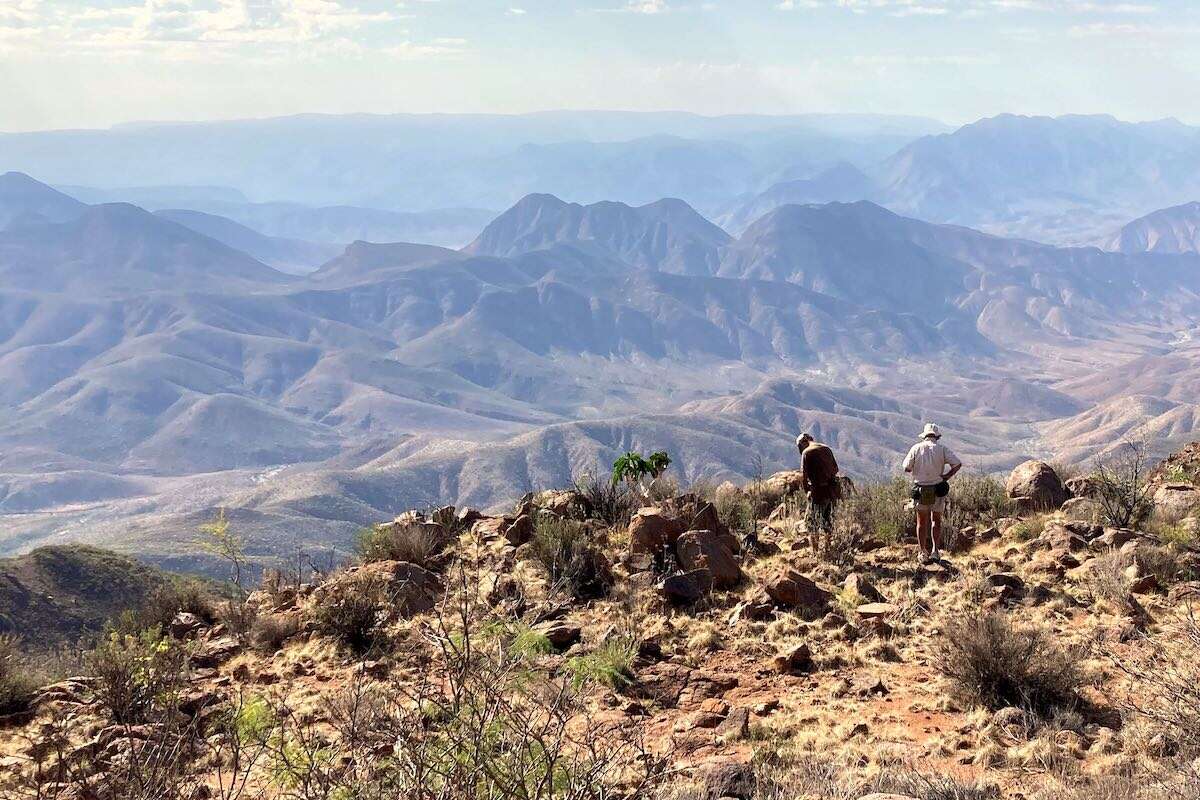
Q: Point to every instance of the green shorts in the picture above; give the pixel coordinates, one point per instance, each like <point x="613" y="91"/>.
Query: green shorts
<point x="938" y="506"/>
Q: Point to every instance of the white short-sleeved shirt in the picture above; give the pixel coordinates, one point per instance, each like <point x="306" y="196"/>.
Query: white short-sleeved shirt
<point x="928" y="461"/>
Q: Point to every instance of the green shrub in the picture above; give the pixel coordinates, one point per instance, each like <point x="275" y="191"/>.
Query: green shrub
<point x="609" y="665"/>
<point x="180" y="595"/>
<point x="18" y="684"/>
<point x="995" y="664"/>
<point x="138" y="672"/>
<point x="978" y="499"/>
<point x="574" y="564"/>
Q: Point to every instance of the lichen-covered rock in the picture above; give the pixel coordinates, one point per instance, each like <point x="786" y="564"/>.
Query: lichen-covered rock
<point x="1035" y="486"/>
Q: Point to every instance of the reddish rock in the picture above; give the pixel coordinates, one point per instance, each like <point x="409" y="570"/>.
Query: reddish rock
<point x="1036" y="487"/>
<point x="790" y="589"/>
<point x="652" y="530"/>
<point x="707" y="549"/>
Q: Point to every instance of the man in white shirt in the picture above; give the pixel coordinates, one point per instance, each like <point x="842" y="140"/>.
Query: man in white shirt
<point x="931" y="465"/>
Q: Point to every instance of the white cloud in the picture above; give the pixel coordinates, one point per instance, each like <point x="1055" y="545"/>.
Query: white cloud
<point x="516" y="12"/>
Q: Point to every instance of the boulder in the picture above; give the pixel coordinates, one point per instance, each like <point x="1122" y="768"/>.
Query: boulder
<point x="652" y="530"/>
<point x="1081" y="486"/>
<point x="876" y="610"/>
<point x="410" y="589"/>
<point x="860" y="586"/>
<point x="519" y="531"/>
<point x="1176" y="499"/>
<point x="685" y="588"/>
<point x="183" y="625"/>
<point x="560" y="633"/>
<point x="1036" y="487"/>
<point x="730" y="779"/>
<point x="566" y="503"/>
<point x="790" y="589"/>
<point x="797" y="658"/>
<point x="704" y="548"/>
<point x="1081" y="508"/>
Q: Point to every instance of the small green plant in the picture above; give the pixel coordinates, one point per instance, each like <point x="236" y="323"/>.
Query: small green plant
<point x="218" y="538"/>
<point x="527" y="643"/>
<point x="635" y="469"/>
<point x="609" y="665"/>
<point x="736" y="512"/>
<point x="254" y="722"/>
<point x="1029" y="528"/>
<point x="138" y="673"/>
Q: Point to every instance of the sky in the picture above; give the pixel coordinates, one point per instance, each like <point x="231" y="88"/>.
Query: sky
<point x="96" y="63"/>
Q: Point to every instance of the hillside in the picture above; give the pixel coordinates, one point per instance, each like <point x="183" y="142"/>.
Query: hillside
<point x="681" y="642"/>
<point x="1169" y="230"/>
<point x="59" y="594"/>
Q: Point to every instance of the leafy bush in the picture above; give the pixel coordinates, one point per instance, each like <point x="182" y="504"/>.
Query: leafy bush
<point x="977" y="498"/>
<point x="612" y="503"/>
<point x="575" y="565"/>
<point x="414" y="543"/>
<point x="17" y="682"/>
<point x="138" y="672"/>
<point x="609" y="665"/>
<point x="736" y="512"/>
<point x="995" y="664"/>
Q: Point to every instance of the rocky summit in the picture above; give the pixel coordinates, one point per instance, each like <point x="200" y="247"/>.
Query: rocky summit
<point x="612" y="641"/>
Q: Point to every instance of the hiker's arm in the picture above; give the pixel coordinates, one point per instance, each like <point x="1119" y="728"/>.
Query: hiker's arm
<point x="953" y="471"/>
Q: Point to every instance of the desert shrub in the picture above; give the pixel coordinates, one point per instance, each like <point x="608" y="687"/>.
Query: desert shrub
<point x="1107" y="581"/>
<point x="1167" y="564"/>
<point x="736" y="512"/>
<point x="176" y="596"/>
<point x="976" y="499"/>
<point x="354" y="616"/>
<point x="138" y="672"/>
<point x="1122" y="489"/>
<point x="609" y="665"/>
<point x="662" y="488"/>
<point x="574" y="563"/>
<point x="1166" y="676"/>
<point x="269" y="632"/>
<point x="1174" y="534"/>
<point x="995" y="664"/>
<point x="881" y="509"/>
<point x="611" y="503"/>
<point x="475" y="723"/>
<point x="1029" y="528"/>
<point x="18" y="683"/>
<point x="414" y="543"/>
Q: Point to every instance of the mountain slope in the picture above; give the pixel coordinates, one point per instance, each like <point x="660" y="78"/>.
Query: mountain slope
<point x="121" y="249"/>
<point x="288" y="255"/>
<point x="25" y="201"/>
<point x="667" y="235"/>
<point x="1169" y="230"/>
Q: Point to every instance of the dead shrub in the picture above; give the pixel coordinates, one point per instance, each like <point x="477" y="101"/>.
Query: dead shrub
<point x="415" y="543"/>
<point x="18" y="683"/>
<point x="575" y="565"/>
<point x="611" y="502"/>
<point x="354" y="617"/>
<point x="995" y="664"/>
<point x="1121" y="485"/>
<point x="270" y="632"/>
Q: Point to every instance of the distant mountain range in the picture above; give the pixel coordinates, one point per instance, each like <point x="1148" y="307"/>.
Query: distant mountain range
<point x="154" y="369"/>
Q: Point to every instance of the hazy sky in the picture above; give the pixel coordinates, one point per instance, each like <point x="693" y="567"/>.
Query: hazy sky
<point x="92" y="63"/>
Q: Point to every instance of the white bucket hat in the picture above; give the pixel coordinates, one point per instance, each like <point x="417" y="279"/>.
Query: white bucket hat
<point x="931" y="429"/>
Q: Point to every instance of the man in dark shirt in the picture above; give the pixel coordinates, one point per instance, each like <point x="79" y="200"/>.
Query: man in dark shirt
<point x="821" y="484"/>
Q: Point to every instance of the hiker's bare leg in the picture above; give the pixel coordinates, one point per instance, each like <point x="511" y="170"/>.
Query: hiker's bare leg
<point x="923" y="530"/>
<point x="937" y="530"/>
